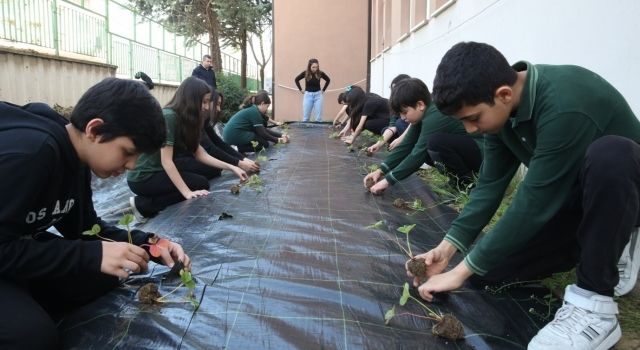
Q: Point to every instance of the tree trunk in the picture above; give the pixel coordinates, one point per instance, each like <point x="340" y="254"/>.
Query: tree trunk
<point x="261" y="77"/>
<point x="243" y="60"/>
<point x="214" y="44"/>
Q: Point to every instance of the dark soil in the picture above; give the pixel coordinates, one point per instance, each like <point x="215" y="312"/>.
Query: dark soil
<point x="448" y="327"/>
<point x="370" y="182"/>
<point x="369" y="154"/>
<point x="235" y="189"/>
<point x="148" y="294"/>
<point x="400" y="203"/>
<point x="417" y="267"/>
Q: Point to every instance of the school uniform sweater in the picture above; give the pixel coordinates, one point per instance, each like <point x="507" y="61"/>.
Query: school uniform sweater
<point x="44" y="184"/>
<point x="244" y="125"/>
<point x="411" y="153"/>
<point x="562" y="110"/>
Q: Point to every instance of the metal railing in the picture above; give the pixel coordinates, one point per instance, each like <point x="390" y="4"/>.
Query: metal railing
<point x="107" y="31"/>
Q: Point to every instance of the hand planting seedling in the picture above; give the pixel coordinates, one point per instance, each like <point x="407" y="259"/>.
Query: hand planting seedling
<point x="417" y="267"/>
<point x="446" y="326"/>
<point x="370" y="182"/>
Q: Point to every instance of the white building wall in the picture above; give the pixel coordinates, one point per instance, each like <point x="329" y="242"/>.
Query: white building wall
<point x="599" y="35"/>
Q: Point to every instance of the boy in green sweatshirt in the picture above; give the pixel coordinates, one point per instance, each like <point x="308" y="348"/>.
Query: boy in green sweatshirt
<point x="578" y="203"/>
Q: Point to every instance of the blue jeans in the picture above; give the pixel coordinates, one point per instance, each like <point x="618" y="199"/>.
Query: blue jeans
<point x="312" y="100"/>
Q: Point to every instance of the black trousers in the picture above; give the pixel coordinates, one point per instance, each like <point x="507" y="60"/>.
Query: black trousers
<point x="158" y="192"/>
<point x="29" y="310"/>
<point x="457" y="155"/>
<point x="592" y="228"/>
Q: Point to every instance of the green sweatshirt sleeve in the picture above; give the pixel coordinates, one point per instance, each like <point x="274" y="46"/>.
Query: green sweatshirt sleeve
<point x="551" y="175"/>
<point x="432" y="122"/>
<point x="402" y="150"/>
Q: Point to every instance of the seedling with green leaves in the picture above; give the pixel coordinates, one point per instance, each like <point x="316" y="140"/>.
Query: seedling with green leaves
<point x="445" y="326"/>
<point x="95" y="231"/>
<point x="149" y="294"/>
<point x="416" y="266"/>
<point x="334" y="135"/>
<point x="376" y="225"/>
<point x="125" y="221"/>
<point x="254" y="182"/>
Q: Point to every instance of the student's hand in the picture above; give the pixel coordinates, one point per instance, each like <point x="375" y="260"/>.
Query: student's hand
<point x="395" y="143"/>
<point x="302" y="92"/>
<point x="120" y="259"/>
<point x="173" y="253"/>
<point x="248" y="165"/>
<point x="436" y="260"/>
<point x="342" y="134"/>
<point x="379" y="187"/>
<point x="444" y="282"/>
<point x="240" y="173"/>
<point x="348" y="140"/>
<point x="195" y="194"/>
<point x="375" y="147"/>
<point x="285" y="137"/>
<point x="375" y="176"/>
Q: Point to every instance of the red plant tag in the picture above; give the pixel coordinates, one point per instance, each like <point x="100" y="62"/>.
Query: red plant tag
<point x="156" y="244"/>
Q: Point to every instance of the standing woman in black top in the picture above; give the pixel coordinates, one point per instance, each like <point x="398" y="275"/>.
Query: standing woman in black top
<point x="312" y="93"/>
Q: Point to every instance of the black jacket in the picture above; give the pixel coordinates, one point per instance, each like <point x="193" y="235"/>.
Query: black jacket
<point x="208" y="75"/>
<point x="44" y="184"/>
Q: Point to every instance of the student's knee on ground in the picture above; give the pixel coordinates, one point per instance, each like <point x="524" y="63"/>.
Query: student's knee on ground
<point x="613" y="157"/>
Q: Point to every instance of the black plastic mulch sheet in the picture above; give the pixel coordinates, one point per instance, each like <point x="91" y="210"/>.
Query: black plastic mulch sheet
<point x="296" y="267"/>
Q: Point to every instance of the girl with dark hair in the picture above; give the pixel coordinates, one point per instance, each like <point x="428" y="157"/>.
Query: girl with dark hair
<point x="182" y="168"/>
<point x="250" y="125"/>
<point x="215" y="146"/>
<point x="367" y="111"/>
<point x="343" y="114"/>
<point x="395" y="132"/>
<point x="312" y="93"/>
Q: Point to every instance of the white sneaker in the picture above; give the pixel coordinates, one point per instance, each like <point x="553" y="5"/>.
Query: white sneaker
<point x="136" y="213"/>
<point x="628" y="265"/>
<point x="582" y="323"/>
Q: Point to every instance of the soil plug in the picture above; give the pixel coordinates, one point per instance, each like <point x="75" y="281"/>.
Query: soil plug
<point x="445" y="326"/>
<point x="448" y="327"/>
<point x="400" y="203"/>
<point x="370" y="182"/>
<point x="148" y="294"/>
<point x="235" y="189"/>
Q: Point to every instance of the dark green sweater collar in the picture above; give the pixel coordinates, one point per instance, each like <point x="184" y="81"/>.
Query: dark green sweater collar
<point x="528" y="97"/>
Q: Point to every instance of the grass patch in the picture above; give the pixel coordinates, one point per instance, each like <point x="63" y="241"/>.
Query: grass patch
<point x="457" y="199"/>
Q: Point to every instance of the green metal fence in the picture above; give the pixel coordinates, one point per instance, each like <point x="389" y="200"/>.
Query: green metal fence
<point x="110" y="32"/>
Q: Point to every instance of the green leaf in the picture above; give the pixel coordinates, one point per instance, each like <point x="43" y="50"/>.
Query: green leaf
<point x="254" y="144"/>
<point x="95" y="230"/>
<point x="405" y="294"/>
<point x="187" y="280"/>
<point x="417" y="205"/>
<point x="391" y="313"/>
<point x="126" y="219"/>
<point x="377" y="225"/>
<point x="406" y="229"/>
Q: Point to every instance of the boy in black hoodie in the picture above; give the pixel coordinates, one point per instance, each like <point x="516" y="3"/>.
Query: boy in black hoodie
<point x="45" y="180"/>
